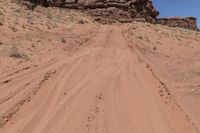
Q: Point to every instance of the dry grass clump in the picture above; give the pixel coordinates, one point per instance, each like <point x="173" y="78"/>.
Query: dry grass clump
<point x="1" y="18"/>
<point x="13" y="28"/>
<point x="140" y="37"/>
<point x="82" y="21"/>
<point x="16" y="54"/>
<point x="1" y="13"/>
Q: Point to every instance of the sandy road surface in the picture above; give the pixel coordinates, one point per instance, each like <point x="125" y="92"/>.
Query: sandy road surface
<point x="103" y="88"/>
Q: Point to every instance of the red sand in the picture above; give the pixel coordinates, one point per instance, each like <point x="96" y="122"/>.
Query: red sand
<point x="93" y="78"/>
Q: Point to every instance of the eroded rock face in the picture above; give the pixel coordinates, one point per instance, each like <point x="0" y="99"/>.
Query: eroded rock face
<point x="188" y="22"/>
<point x="115" y="9"/>
<point x="121" y="10"/>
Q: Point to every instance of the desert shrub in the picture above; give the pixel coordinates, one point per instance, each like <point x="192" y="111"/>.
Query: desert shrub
<point x="1" y="13"/>
<point x="82" y="22"/>
<point x="140" y="37"/>
<point x="63" y="40"/>
<point x="16" y="54"/>
<point x="1" y="23"/>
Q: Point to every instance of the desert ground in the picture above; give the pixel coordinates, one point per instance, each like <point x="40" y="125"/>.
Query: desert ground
<point x="63" y="72"/>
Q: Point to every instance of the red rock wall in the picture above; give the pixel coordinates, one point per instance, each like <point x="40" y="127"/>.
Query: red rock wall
<point x="188" y="22"/>
<point x="115" y="9"/>
<point x="121" y="10"/>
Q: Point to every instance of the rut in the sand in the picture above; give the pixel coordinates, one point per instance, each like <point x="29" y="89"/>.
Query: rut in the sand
<point x="102" y="88"/>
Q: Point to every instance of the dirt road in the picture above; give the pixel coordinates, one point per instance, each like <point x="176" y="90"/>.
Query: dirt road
<point x="105" y="87"/>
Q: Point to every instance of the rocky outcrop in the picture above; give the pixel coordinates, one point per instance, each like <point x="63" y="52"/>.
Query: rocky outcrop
<point x="121" y="10"/>
<point x="114" y="9"/>
<point x="188" y="22"/>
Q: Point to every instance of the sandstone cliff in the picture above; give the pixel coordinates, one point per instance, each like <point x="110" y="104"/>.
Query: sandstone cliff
<point x="188" y="22"/>
<point x="114" y="9"/>
<point x="121" y="10"/>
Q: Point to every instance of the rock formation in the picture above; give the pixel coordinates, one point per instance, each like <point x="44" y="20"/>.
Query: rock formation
<point x="188" y="22"/>
<point x="113" y="9"/>
<point x="121" y="10"/>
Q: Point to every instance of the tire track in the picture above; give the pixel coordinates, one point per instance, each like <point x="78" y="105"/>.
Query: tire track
<point x="105" y="87"/>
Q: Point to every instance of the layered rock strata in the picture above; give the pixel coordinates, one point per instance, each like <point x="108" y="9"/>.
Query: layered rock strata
<point x="113" y="9"/>
<point x="188" y="22"/>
